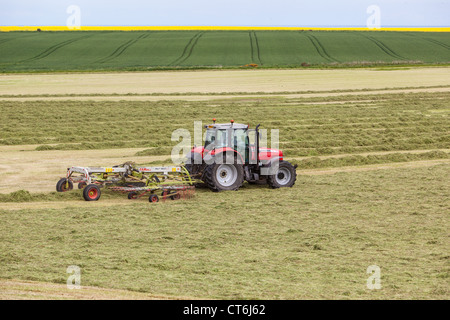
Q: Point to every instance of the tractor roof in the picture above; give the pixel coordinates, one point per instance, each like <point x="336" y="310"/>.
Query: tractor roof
<point x="227" y="126"/>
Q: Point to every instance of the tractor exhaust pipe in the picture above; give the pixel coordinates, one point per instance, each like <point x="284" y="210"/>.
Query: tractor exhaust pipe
<point x="257" y="144"/>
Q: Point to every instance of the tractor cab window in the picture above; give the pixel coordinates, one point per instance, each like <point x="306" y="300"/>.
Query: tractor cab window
<point x="252" y="136"/>
<point x="216" y="139"/>
<point x="221" y="138"/>
<point x="210" y="139"/>
<point x="240" y="141"/>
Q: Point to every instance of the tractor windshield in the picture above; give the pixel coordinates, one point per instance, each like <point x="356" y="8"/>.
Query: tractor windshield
<point x="216" y="139"/>
<point x="236" y="139"/>
<point x="210" y="138"/>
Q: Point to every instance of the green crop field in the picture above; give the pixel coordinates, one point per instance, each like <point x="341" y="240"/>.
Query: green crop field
<point x="89" y="50"/>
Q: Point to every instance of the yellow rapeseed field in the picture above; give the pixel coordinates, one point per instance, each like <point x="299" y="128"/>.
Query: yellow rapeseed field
<point x="213" y="28"/>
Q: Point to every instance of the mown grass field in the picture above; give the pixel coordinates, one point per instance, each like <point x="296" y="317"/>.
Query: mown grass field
<point x="315" y="240"/>
<point x="308" y="126"/>
<point x="147" y="50"/>
<point x="372" y="189"/>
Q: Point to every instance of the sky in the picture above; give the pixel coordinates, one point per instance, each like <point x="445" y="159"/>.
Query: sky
<point x="290" y="13"/>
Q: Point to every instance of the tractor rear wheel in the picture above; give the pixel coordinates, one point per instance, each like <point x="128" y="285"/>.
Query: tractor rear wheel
<point x="285" y="176"/>
<point x="64" y="185"/>
<point x="220" y="177"/>
<point x="91" y="192"/>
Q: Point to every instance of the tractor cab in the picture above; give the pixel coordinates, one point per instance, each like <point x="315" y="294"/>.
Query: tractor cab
<point x="229" y="137"/>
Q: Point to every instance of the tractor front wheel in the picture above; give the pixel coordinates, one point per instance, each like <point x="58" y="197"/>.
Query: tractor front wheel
<point x="220" y="177"/>
<point x="285" y="176"/>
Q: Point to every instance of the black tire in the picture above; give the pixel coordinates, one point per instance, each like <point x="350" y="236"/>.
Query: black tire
<point x="190" y="168"/>
<point x="285" y="176"/>
<point x="194" y="163"/>
<point x="91" y="192"/>
<point x="194" y="169"/>
<point x="153" y="198"/>
<point x="165" y="194"/>
<point x="216" y="184"/>
<point x="132" y="195"/>
<point x="196" y="172"/>
<point x="172" y="195"/>
<point x="81" y="185"/>
<point x="175" y="196"/>
<point x="63" y="186"/>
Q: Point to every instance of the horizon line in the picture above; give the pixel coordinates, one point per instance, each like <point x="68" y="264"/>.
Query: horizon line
<point x="213" y="28"/>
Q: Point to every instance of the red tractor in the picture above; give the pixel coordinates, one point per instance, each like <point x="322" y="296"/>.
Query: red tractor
<point x="232" y="154"/>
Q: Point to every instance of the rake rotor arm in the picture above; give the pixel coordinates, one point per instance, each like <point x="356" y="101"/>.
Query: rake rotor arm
<point x="151" y="178"/>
